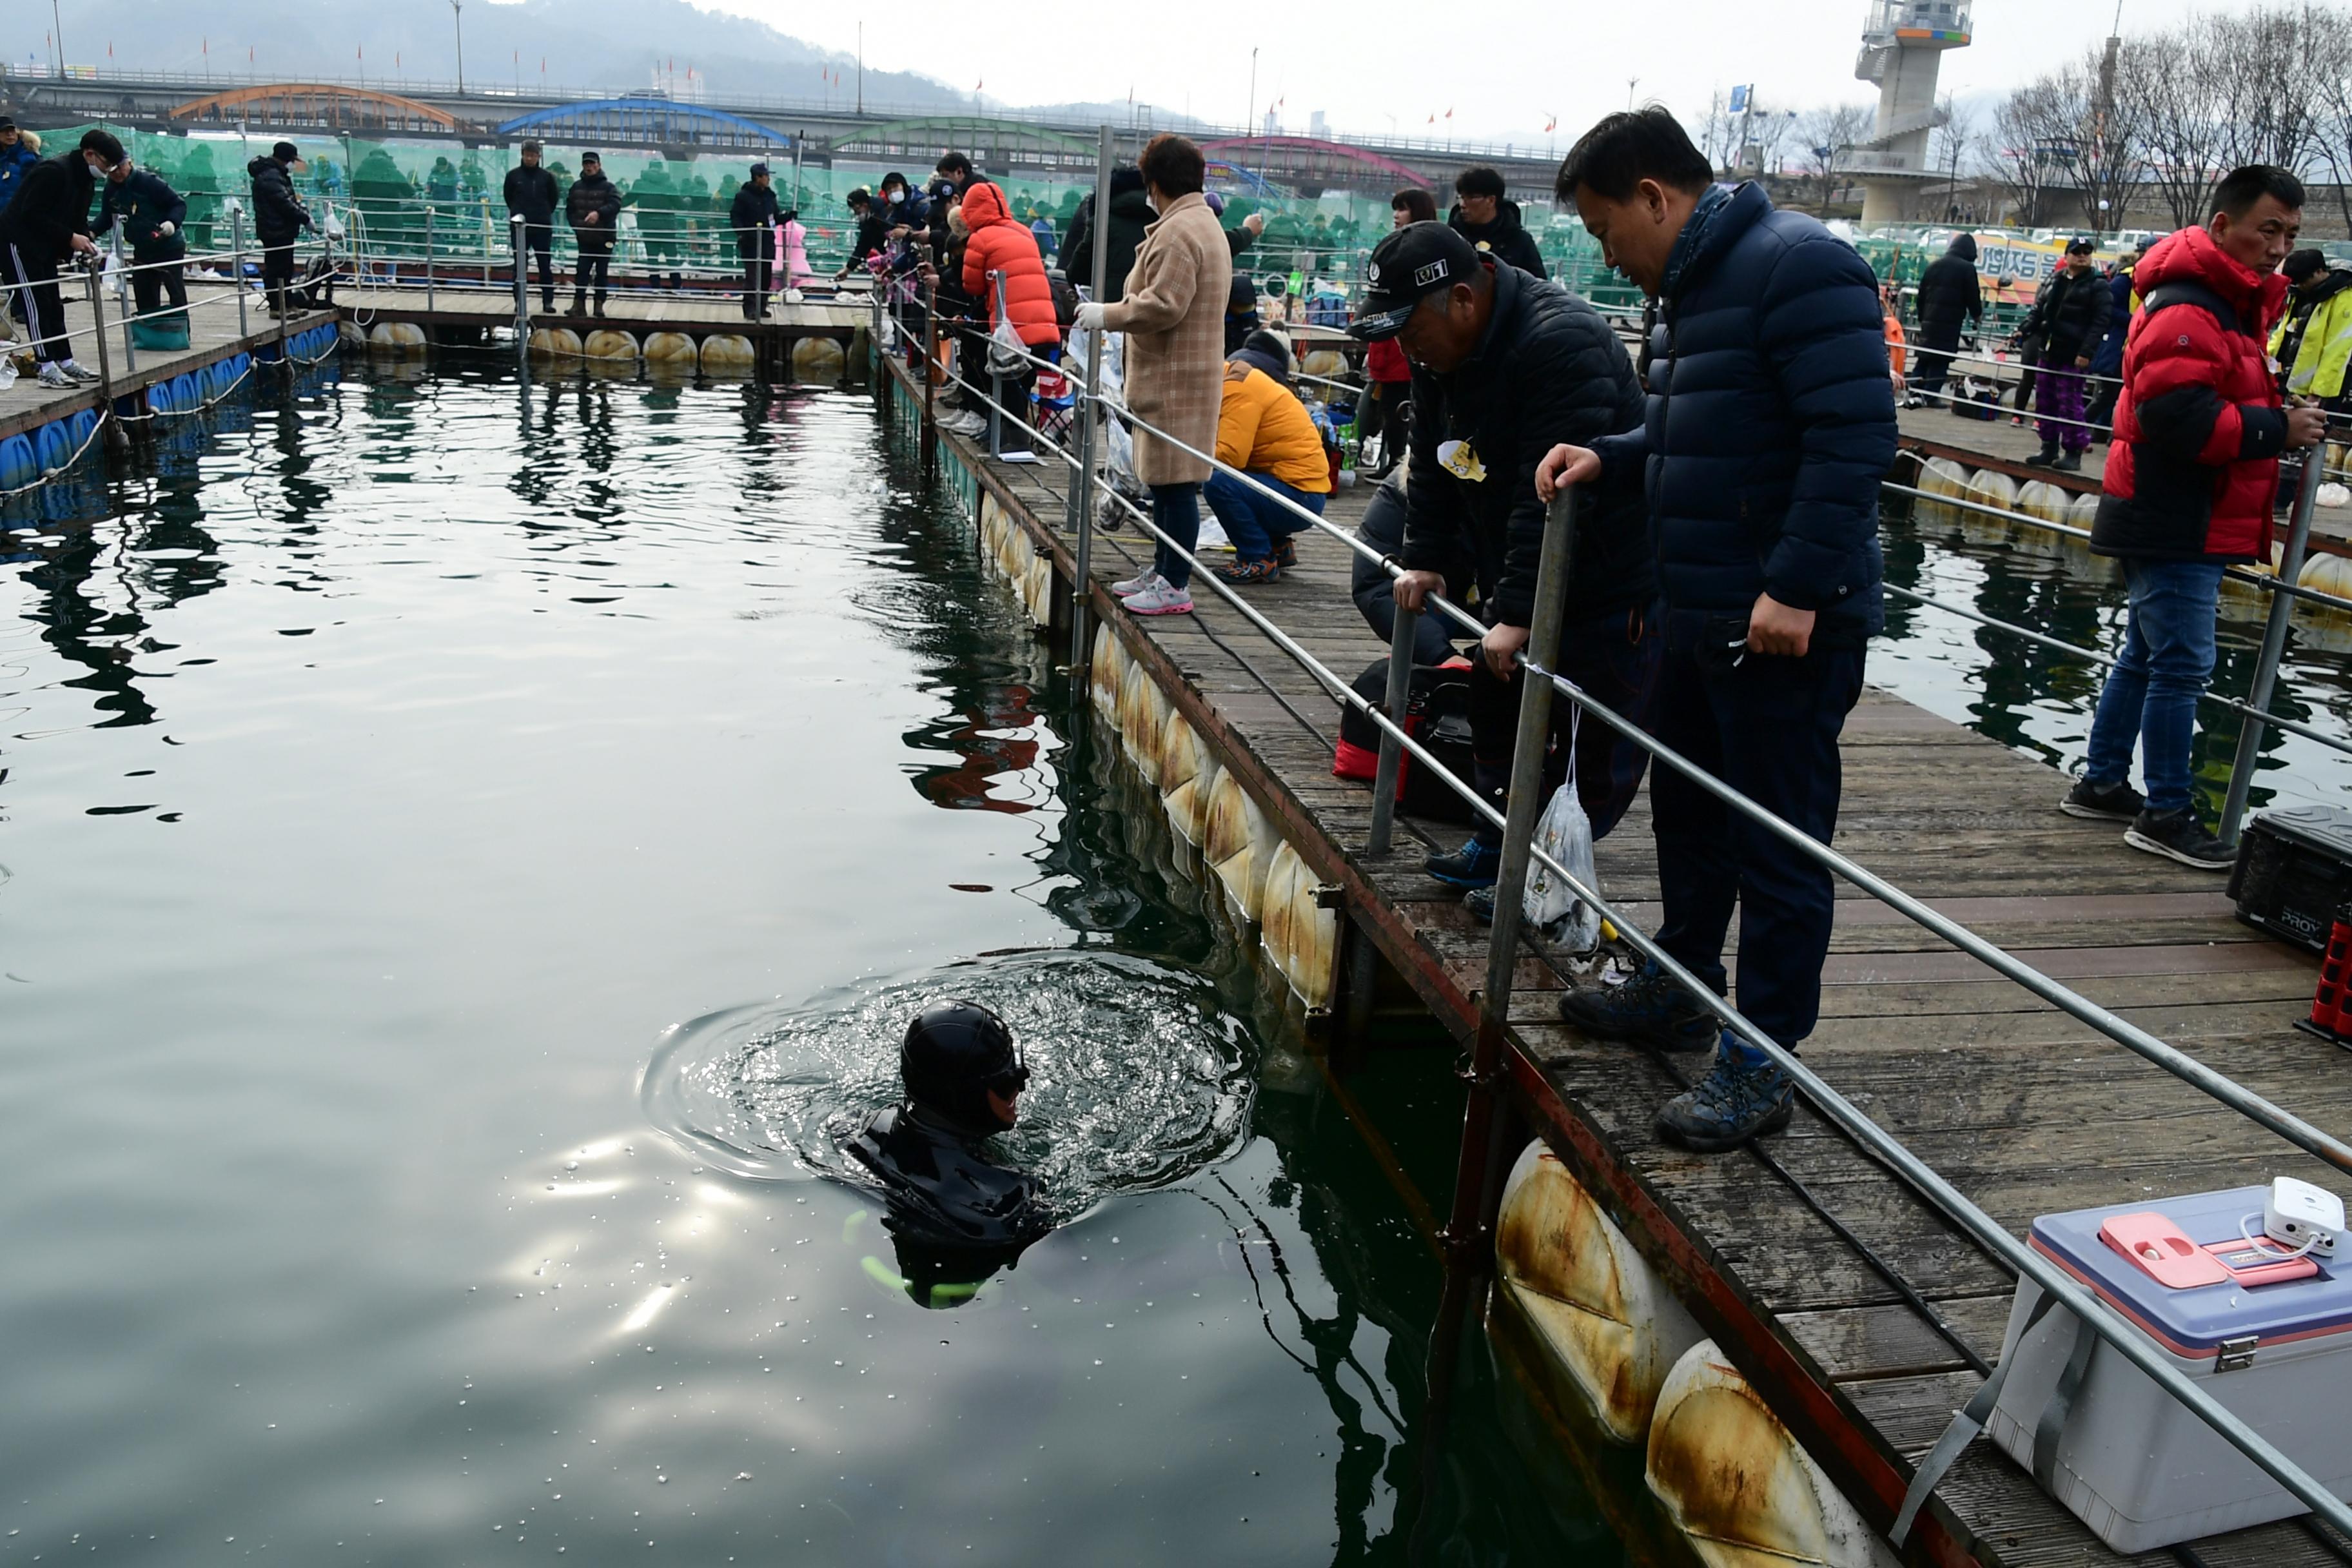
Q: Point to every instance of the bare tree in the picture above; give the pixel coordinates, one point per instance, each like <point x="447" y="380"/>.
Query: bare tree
<point x="1825" y="139"/>
<point x="2110" y="149"/>
<point x="2257" y="85"/>
<point x="2032" y="144"/>
<point x="1954" y="149"/>
<point x="2170" y="96"/>
<point x="1716" y="131"/>
<point x="2327" y="69"/>
<point x="1768" y="132"/>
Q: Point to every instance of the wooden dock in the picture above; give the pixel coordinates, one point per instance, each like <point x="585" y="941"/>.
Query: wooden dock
<point x="695" y="311"/>
<point x="2026" y="1111"/>
<point x="213" y="333"/>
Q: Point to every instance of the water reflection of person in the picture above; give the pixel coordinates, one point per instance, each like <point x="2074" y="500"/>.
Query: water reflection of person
<point x="956" y="1214"/>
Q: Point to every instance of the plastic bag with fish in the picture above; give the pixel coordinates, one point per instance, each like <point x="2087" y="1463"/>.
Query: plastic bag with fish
<point x="1565" y="834"/>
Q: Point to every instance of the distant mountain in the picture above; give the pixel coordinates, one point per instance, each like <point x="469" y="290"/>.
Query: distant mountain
<point x="586" y="44"/>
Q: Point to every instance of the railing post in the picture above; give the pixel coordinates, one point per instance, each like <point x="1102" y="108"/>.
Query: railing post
<point x="98" y="335"/>
<point x="428" y="256"/>
<point x="1399" y="687"/>
<point x="2290" y="568"/>
<point x="930" y="436"/>
<point x="237" y="264"/>
<point x="1089" y="409"/>
<point x="122" y="305"/>
<point x="996" y="378"/>
<point x="1475" y="1172"/>
<point x="522" y="292"/>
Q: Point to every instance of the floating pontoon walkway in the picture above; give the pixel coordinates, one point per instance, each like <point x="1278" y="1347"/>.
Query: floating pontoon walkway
<point x="2025" y="1109"/>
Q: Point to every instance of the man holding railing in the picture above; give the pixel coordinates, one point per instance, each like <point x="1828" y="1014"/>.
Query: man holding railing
<point x="1504" y="367"/>
<point x="152" y="214"/>
<point x="1770" y="425"/>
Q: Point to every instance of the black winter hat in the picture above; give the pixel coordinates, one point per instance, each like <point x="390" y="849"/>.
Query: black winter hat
<point x="2303" y="264"/>
<point x="1266" y="352"/>
<point x="954" y="1053"/>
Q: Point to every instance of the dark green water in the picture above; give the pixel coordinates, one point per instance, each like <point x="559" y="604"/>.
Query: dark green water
<point x="402" y="760"/>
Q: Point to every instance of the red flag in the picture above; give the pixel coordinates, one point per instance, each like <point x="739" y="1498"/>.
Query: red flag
<point x="1433" y="119"/>
<point x="977" y="85"/>
<point x="1551" y="124"/>
<point x="1449" y="114"/>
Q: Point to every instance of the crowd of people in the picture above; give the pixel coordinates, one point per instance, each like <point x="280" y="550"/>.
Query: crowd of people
<point x="1726" y="577"/>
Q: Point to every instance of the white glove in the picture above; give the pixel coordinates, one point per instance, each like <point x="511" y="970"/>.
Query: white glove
<point x="1090" y="316"/>
<point x="167" y="228"/>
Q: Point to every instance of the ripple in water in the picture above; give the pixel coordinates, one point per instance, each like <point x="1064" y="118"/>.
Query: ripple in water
<point x="1138" y="1077"/>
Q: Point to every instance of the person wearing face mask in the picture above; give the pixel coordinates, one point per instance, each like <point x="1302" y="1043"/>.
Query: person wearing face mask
<point x="47" y="223"/>
<point x="278" y="219"/>
<point x="152" y="214"/>
<point x="963" y="1073"/>
<point x="1490" y="221"/>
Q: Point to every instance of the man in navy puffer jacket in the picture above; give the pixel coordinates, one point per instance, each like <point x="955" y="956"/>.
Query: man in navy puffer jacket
<point x="1770" y="424"/>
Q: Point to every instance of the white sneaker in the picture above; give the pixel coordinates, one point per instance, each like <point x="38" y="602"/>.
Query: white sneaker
<point x="1135" y="584"/>
<point x="75" y="369"/>
<point x="1160" y="599"/>
<point x="54" y="375"/>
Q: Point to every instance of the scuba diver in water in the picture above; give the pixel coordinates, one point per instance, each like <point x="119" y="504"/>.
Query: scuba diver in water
<point x="956" y="1214"/>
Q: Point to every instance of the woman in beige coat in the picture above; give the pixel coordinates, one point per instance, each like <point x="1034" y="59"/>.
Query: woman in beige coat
<point x="1173" y="313"/>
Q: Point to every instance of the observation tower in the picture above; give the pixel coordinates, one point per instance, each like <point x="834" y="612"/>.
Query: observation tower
<point x="1903" y="42"/>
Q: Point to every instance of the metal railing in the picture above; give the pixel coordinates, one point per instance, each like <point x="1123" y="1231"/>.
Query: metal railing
<point x="1476" y="1179"/>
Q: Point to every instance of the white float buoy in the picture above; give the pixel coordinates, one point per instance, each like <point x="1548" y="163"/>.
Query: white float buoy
<point x="727" y="354"/>
<point x="1142" y="715"/>
<point x="1739" y="1485"/>
<point x="1037" y="591"/>
<point x="1942" y="477"/>
<point x="817" y="359"/>
<point x="1188" y="773"/>
<point x="400" y="337"/>
<point x="672" y="349"/>
<point x="1297" y="933"/>
<point x="1609" y="1326"/>
<point x="609" y="343"/>
<point x="555" y="343"/>
<point x="1988" y="487"/>
<point x="1239" y="844"/>
<point x="1104" y="671"/>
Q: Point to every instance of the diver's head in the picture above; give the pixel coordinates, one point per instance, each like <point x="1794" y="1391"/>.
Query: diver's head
<point x="960" y="1060"/>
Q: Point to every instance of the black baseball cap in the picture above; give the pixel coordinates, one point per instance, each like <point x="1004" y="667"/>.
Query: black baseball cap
<point x="1409" y="265"/>
<point x="2078" y="246"/>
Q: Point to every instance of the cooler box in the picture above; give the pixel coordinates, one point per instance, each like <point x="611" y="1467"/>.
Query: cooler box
<point x="2134" y="1464"/>
<point x="2293" y="871"/>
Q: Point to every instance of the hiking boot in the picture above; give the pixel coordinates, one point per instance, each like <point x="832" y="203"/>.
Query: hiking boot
<point x="2046" y="457"/>
<point x="1649" y="1009"/>
<point x="2178" y="835"/>
<point x="1249" y="571"/>
<point x="1733" y="1102"/>
<point x="1161" y="598"/>
<point x="2103" y="803"/>
<point x="1475" y="865"/>
<point x="599" y="304"/>
<point x="2072" y="463"/>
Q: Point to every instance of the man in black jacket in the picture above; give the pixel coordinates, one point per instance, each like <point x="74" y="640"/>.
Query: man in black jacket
<point x="531" y="196"/>
<point x="1484" y="217"/>
<point x="48" y="221"/>
<point x="1949" y="295"/>
<point x="152" y="214"/>
<point x="593" y="208"/>
<point x="752" y="215"/>
<point x="279" y="218"/>
<point x="873" y="237"/>
<point x="1504" y="367"/>
<point x="2068" y="319"/>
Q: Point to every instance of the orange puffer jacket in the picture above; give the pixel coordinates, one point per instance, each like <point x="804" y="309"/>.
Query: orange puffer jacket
<point x="999" y="245"/>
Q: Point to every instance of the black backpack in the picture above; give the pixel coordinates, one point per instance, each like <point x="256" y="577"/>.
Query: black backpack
<point x="1437" y="716"/>
<point x="1065" y="297"/>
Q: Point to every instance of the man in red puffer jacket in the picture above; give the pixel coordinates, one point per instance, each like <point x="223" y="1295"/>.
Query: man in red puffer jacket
<point x="1001" y="243"/>
<point x="2190" y="478"/>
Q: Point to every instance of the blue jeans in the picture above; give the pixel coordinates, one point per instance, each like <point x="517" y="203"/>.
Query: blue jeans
<point x="1176" y="512"/>
<point x="1256" y="522"/>
<point x="2151" y="694"/>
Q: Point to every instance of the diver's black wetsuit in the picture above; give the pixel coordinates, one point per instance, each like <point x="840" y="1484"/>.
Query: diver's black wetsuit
<point x="942" y="1187"/>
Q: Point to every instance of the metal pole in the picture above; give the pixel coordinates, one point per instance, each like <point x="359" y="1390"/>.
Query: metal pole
<point x="123" y="304"/>
<point x="237" y="263"/>
<point x="428" y="256"/>
<point x="522" y="292"/>
<point x="930" y="435"/>
<point x="1474" y="1171"/>
<point x="1384" y="781"/>
<point x="2290" y="568"/>
<point x="1082" y="489"/>
<point x="98" y="335"/>
<point x="996" y="379"/>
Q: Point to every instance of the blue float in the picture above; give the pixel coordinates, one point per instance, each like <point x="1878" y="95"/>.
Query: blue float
<point x="79" y="426"/>
<point x="53" y="445"/>
<point x="18" y="466"/>
<point x="185" y="394"/>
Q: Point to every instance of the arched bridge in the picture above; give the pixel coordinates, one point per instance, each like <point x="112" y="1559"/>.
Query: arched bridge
<point x="648" y="123"/>
<point x="316" y="106"/>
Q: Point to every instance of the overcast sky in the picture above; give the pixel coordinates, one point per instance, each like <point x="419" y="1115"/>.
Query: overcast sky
<point x="1504" y="67"/>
